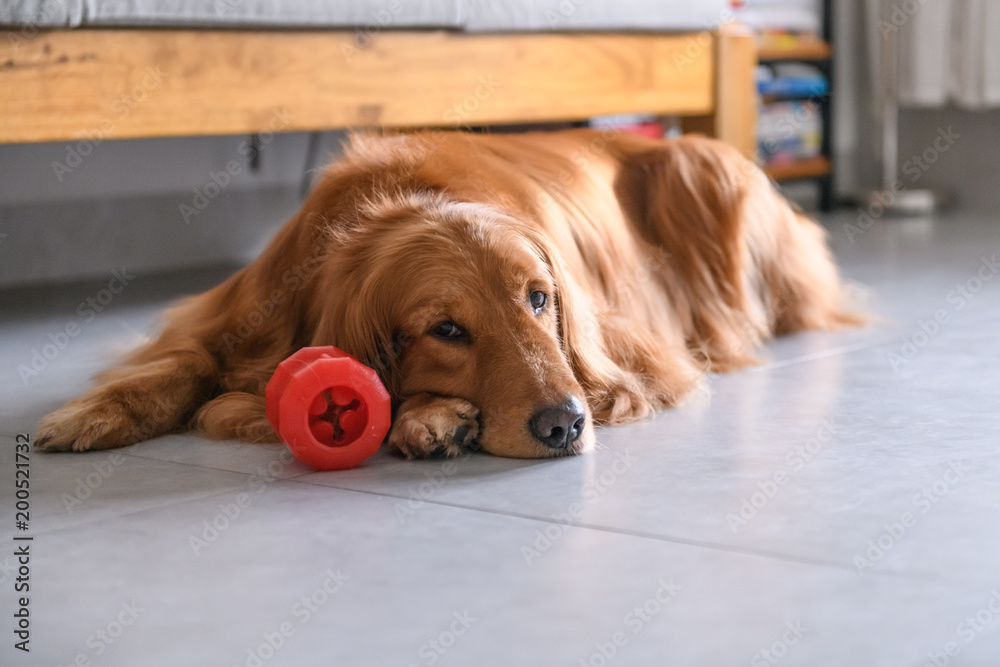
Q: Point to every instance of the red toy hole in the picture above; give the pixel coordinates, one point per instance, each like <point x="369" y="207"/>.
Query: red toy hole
<point x="337" y="417"/>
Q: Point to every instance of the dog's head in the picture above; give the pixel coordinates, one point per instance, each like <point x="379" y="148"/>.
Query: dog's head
<point x="458" y="300"/>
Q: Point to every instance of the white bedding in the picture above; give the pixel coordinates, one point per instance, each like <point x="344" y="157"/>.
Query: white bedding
<point x="373" y="15"/>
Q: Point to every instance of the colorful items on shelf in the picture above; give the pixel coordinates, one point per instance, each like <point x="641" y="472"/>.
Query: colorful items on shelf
<point x="644" y="125"/>
<point x="789" y="131"/>
<point x="791" y="80"/>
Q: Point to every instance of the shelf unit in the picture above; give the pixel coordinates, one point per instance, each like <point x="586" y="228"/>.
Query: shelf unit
<point x="818" y="52"/>
<point x="817" y="167"/>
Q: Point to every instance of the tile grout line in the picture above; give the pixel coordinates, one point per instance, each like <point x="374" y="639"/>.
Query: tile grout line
<point x="623" y="531"/>
<point x="846" y="349"/>
<point x="206" y="467"/>
<point x="515" y="515"/>
<point x="154" y="507"/>
<point x="137" y="512"/>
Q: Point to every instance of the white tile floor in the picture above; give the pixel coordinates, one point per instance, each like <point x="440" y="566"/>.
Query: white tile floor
<point x="869" y="533"/>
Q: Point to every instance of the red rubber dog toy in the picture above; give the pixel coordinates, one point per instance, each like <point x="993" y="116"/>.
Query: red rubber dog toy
<point x="330" y="409"/>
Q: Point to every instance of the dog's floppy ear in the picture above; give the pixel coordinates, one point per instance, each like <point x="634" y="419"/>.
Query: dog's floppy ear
<point x="579" y="330"/>
<point x="626" y="370"/>
<point x="582" y="334"/>
<point x="356" y="308"/>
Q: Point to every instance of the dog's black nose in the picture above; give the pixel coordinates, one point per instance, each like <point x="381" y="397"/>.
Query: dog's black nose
<point x="557" y="426"/>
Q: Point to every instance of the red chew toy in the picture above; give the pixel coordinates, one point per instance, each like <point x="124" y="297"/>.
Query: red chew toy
<point x="330" y="409"/>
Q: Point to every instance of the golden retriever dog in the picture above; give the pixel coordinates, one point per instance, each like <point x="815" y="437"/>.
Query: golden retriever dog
<point x="511" y="291"/>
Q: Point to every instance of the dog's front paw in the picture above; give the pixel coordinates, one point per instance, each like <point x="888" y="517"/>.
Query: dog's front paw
<point x="435" y="426"/>
<point x="86" y="423"/>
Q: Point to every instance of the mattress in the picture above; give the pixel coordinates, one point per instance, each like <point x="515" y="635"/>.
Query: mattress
<point x="372" y="15"/>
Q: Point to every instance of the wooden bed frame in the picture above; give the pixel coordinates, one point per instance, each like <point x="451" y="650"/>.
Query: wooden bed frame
<point x="88" y="84"/>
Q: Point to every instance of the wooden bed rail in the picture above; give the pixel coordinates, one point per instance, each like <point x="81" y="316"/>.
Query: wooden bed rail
<point x="65" y="85"/>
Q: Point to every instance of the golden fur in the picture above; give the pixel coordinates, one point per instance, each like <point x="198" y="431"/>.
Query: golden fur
<point x="662" y="260"/>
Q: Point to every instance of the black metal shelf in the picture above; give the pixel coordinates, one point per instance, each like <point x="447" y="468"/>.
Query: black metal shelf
<point x="820" y="54"/>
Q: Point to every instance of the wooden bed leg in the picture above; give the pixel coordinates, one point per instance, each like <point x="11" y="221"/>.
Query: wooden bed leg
<point x="734" y="119"/>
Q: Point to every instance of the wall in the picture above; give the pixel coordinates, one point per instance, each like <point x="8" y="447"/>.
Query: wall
<point x="969" y="170"/>
<point x="120" y="205"/>
<point x="77" y="210"/>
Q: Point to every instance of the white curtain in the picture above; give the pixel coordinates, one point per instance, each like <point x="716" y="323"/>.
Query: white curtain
<point x="949" y="50"/>
<point x="976" y="54"/>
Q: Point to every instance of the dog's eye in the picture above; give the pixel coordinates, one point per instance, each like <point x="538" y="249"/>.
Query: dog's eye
<point x="538" y="300"/>
<point x="448" y="330"/>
